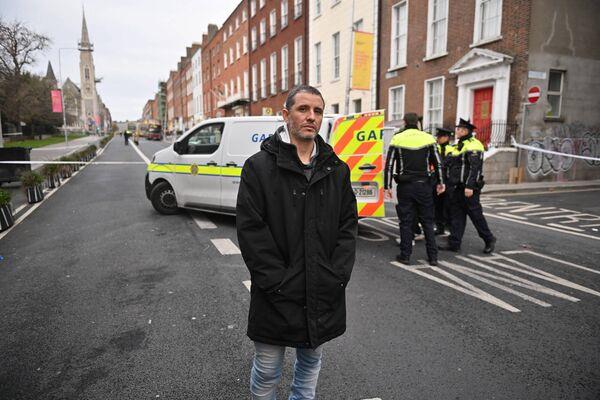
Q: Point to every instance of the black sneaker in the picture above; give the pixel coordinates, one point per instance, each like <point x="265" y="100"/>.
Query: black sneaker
<point x="448" y="247"/>
<point x="402" y="259"/>
<point x="490" y="246"/>
<point x="433" y="262"/>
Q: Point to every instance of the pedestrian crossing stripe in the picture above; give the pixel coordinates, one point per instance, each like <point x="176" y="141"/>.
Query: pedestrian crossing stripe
<point x="357" y="139"/>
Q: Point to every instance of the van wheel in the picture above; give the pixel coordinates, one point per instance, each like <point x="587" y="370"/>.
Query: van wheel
<point x="163" y="199"/>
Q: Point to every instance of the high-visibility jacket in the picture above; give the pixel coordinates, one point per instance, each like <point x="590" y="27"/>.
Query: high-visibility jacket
<point x="410" y="155"/>
<point x="464" y="163"/>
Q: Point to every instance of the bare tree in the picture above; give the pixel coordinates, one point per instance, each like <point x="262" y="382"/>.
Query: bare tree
<point x="18" y="48"/>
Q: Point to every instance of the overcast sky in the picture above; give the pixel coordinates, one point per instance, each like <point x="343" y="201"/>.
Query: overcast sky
<point x="136" y="43"/>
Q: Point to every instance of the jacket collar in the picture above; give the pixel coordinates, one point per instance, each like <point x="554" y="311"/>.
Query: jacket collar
<point x="286" y="154"/>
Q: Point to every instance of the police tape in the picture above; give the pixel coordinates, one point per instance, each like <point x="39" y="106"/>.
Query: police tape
<point x="77" y="162"/>
<point x="542" y="150"/>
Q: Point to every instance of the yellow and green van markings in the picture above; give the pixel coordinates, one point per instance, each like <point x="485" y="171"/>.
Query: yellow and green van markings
<point x="194" y="169"/>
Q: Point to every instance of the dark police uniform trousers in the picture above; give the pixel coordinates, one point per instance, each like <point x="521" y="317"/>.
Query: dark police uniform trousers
<point x="460" y="207"/>
<point x="415" y="200"/>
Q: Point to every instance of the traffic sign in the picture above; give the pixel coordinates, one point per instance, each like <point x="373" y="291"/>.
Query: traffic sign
<point x="533" y="94"/>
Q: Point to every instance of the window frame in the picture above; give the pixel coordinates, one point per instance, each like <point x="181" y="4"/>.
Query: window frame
<point x="253" y="38"/>
<point x="273" y="22"/>
<point x="263" y="78"/>
<point x="196" y="131"/>
<point x="298" y="5"/>
<point x="318" y="62"/>
<point x="273" y="73"/>
<point x="335" y="51"/>
<point x="390" y="102"/>
<point x="555" y="93"/>
<point x="254" y="93"/>
<point x="284" y="70"/>
<point x="252" y="8"/>
<point x="430" y="30"/>
<point x="478" y="25"/>
<point x="426" y="105"/>
<point x="298" y="60"/>
<point x="318" y="8"/>
<point x="284" y="15"/>
<point x="262" y="31"/>
<point x="402" y="37"/>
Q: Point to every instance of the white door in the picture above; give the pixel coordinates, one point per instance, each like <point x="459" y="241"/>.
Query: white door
<point x="201" y="184"/>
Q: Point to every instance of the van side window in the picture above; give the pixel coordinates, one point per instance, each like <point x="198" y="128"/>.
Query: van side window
<point x="206" y="139"/>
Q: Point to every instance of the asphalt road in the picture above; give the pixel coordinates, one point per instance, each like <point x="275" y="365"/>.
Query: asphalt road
<point x="104" y="298"/>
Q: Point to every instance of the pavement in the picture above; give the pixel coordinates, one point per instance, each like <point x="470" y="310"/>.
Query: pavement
<point x="102" y="297"/>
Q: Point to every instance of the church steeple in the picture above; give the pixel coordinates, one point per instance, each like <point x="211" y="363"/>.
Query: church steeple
<point x="50" y="74"/>
<point x="85" y="44"/>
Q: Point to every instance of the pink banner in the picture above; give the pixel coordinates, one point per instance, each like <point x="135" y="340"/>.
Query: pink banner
<point x="56" y="101"/>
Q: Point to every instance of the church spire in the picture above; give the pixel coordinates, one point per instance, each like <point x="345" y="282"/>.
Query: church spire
<point x="85" y="44"/>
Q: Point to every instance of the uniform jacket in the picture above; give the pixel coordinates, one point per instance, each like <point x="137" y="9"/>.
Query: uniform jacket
<point x="464" y="163"/>
<point x="297" y="238"/>
<point x="410" y="155"/>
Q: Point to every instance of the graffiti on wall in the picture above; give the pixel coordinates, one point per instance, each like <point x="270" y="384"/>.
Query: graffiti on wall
<point x="568" y="139"/>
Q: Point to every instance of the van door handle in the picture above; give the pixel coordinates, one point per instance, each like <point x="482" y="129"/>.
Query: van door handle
<point x="231" y="164"/>
<point x="211" y="164"/>
<point x="367" y="167"/>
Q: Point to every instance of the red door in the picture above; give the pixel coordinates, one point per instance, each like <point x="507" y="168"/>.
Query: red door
<point x="482" y="114"/>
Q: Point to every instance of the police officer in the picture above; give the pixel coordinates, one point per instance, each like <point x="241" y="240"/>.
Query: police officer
<point x="442" y="212"/>
<point x="411" y="153"/>
<point x="464" y="167"/>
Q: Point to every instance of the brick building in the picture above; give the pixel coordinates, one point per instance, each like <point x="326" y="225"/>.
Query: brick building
<point x="455" y="59"/>
<point x="170" y="93"/>
<point x="278" y="56"/>
<point x="148" y="108"/>
<point x="211" y="70"/>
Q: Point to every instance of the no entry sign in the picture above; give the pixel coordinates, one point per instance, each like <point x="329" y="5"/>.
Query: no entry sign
<point x="534" y="94"/>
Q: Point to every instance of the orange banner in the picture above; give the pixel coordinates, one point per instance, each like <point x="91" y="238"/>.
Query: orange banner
<point x="362" y="60"/>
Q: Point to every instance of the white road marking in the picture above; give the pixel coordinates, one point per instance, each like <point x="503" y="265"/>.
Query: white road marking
<point x="481" y="276"/>
<point x="513" y="216"/>
<point x="542" y="226"/>
<point x="18" y="210"/>
<point x="552" y="259"/>
<point x="538" y="273"/>
<point x="202" y="221"/>
<point x="225" y="246"/>
<point x="248" y="284"/>
<point x="461" y="286"/>
<point x="566" y="227"/>
<point x="362" y="222"/>
<point x="143" y="157"/>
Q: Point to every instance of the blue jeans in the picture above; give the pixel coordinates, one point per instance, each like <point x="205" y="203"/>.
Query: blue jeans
<point x="266" y="372"/>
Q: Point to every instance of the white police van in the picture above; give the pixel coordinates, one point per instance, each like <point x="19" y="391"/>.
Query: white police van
<point x="201" y="171"/>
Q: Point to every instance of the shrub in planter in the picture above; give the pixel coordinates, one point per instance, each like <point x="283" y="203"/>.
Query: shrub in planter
<point x="32" y="182"/>
<point x="50" y="171"/>
<point x="6" y="216"/>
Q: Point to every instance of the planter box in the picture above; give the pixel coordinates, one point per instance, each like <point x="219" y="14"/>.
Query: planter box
<point x="6" y="217"/>
<point x="35" y="194"/>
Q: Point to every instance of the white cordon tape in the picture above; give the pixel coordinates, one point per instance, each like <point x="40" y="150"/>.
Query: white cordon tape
<point x="532" y="148"/>
<point x="76" y="162"/>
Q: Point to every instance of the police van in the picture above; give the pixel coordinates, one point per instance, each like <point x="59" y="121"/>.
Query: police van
<point x="201" y="170"/>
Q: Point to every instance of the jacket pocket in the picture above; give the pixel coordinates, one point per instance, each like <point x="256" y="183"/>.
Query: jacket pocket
<point x="330" y="286"/>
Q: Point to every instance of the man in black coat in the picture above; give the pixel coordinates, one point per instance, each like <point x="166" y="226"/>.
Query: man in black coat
<point x="297" y="224"/>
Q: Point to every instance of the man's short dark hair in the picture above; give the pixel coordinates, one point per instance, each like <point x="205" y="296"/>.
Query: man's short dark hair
<point x="291" y="99"/>
<point x="411" y="119"/>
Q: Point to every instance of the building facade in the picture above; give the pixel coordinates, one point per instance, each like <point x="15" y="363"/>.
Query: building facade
<point x="211" y="71"/>
<point x="197" y="111"/>
<point x="278" y="56"/>
<point x="332" y="27"/>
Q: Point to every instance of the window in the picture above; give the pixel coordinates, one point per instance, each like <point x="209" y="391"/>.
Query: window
<point x="357" y="105"/>
<point x="335" y="108"/>
<point x="231" y="88"/>
<point x="336" y="55"/>
<point x="263" y="31"/>
<point x="245" y="44"/>
<point x="298" y="61"/>
<point x="238" y="88"/>
<point x="253" y="37"/>
<point x="230" y="30"/>
<point x="273" y="67"/>
<point x="273" y="23"/>
<point x="317" y="8"/>
<point x="252" y="8"/>
<point x="246" y="84"/>
<point x="437" y="27"/>
<point x="244" y="15"/>
<point x="263" y="78"/>
<point x="231" y="55"/>
<point x="434" y="100"/>
<point x="237" y="22"/>
<point x="205" y="140"/>
<point x="297" y="8"/>
<point x="224" y="60"/>
<point x="399" y="28"/>
<point x="284" y="68"/>
<point x="254" y="83"/>
<point x="87" y="74"/>
<point x="284" y="13"/>
<point x="261" y="3"/>
<point x="555" y="88"/>
<point x="317" y="63"/>
<point x="237" y="50"/>
<point x="396" y="103"/>
<point x="224" y="34"/>
<point x="488" y="20"/>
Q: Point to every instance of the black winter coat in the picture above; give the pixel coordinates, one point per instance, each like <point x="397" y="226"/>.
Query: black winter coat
<point x="298" y="239"/>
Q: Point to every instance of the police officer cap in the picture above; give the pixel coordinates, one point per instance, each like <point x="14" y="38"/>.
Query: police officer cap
<point x="443" y="132"/>
<point x="466" y="124"/>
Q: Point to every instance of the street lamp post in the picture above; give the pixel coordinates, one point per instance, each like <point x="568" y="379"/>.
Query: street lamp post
<point x="62" y="99"/>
